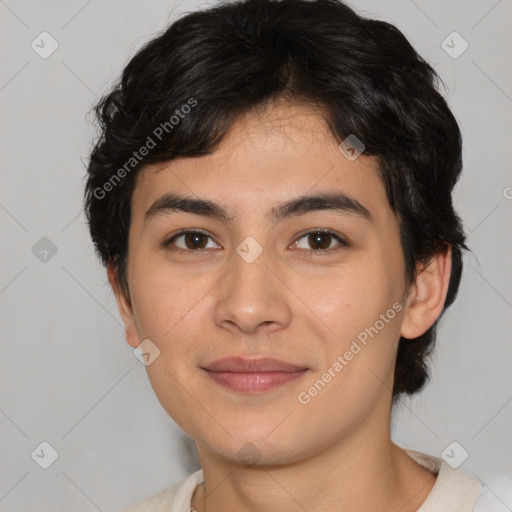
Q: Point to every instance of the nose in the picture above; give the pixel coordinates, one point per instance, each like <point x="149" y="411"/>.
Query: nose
<point x="252" y="297"/>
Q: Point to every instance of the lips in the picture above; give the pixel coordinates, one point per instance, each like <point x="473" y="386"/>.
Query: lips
<point x="253" y="375"/>
<point x="242" y="365"/>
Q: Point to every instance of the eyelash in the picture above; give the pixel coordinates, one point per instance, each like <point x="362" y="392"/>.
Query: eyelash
<point x="167" y="243"/>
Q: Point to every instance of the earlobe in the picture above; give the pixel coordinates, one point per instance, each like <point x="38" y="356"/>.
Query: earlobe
<point x="427" y="297"/>
<point x="124" y="306"/>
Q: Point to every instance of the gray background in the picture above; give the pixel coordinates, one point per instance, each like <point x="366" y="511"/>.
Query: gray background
<point x="67" y="375"/>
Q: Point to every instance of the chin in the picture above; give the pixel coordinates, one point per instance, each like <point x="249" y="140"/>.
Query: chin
<point x="256" y="446"/>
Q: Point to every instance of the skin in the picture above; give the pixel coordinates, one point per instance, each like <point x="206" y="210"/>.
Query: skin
<point x="334" y="453"/>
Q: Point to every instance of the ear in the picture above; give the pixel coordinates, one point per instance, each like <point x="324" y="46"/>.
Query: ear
<point x="427" y="296"/>
<point x="125" y="308"/>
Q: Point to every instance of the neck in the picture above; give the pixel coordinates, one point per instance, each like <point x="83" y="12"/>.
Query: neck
<point x="363" y="473"/>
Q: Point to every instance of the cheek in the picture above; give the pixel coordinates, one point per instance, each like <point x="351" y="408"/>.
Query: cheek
<point x="163" y="300"/>
<point x="363" y="313"/>
<point x="352" y="297"/>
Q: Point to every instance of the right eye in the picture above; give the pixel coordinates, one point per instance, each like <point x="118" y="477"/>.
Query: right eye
<point x="194" y="241"/>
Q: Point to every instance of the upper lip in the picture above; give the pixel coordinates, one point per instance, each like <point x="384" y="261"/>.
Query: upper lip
<point x="244" y="365"/>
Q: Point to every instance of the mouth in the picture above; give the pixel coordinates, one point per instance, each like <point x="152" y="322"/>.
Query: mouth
<point x="253" y="375"/>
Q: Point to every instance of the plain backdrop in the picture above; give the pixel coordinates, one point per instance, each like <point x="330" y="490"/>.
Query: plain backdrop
<point x="68" y="377"/>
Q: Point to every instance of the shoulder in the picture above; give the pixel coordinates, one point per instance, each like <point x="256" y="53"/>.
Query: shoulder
<point x="172" y="498"/>
<point x="454" y="489"/>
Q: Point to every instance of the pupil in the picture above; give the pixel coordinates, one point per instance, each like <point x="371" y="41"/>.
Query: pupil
<point x="317" y="237"/>
<point x="194" y="237"/>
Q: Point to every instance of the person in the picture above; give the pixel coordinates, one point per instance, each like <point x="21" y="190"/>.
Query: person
<point x="271" y="194"/>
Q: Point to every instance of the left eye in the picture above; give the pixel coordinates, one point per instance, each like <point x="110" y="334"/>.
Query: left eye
<point x="321" y="239"/>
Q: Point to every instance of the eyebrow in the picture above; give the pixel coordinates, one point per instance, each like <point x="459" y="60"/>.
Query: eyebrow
<point x="324" y="201"/>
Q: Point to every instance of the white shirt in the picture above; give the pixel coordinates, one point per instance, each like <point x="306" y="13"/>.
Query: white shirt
<point x="453" y="491"/>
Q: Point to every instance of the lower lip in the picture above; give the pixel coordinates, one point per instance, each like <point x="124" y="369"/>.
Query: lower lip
<point x="254" y="382"/>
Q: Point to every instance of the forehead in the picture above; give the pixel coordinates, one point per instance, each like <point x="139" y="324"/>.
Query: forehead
<point x="267" y="158"/>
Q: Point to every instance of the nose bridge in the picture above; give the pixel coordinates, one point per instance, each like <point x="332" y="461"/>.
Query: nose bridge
<point x="250" y="293"/>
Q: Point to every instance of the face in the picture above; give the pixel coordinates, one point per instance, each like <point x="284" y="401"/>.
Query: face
<point x="257" y="285"/>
